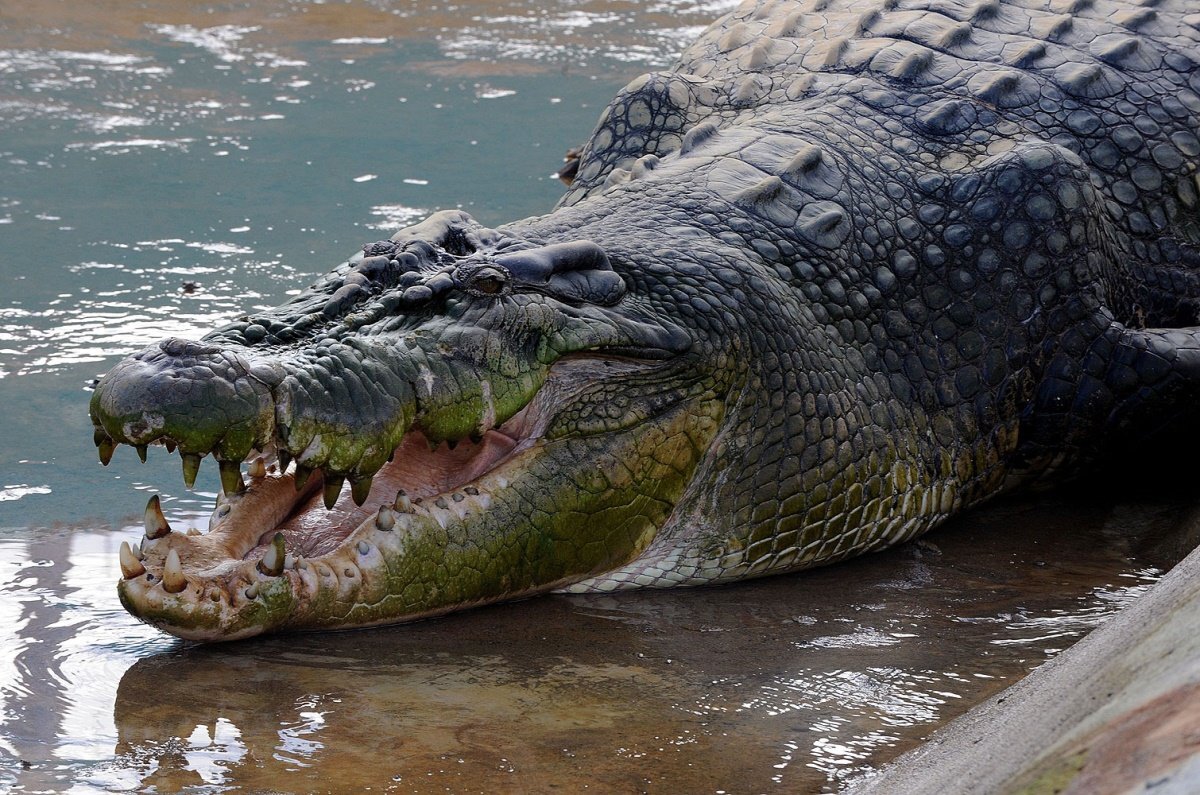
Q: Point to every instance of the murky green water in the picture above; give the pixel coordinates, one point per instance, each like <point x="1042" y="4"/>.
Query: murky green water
<point x="244" y="150"/>
<point x="167" y="165"/>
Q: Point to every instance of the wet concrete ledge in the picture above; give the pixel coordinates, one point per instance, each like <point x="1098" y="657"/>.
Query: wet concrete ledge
<point x="1119" y="712"/>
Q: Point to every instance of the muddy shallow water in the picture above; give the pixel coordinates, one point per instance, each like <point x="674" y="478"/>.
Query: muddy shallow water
<point x="790" y="684"/>
<point x="168" y="165"/>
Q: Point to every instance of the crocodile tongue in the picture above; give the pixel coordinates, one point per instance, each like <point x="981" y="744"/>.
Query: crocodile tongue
<point x="416" y="472"/>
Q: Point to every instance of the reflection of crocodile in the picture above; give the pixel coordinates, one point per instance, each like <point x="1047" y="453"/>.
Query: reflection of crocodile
<point x="481" y="693"/>
<point x="841" y="274"/>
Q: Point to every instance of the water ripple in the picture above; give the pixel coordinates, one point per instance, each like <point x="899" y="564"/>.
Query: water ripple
<point x="169" y="166"/>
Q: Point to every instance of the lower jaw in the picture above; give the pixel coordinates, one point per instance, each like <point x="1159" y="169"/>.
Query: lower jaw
<point x="343" y="577"/>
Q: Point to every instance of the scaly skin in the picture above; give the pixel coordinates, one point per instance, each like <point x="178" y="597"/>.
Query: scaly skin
<point x="842" y="273"/>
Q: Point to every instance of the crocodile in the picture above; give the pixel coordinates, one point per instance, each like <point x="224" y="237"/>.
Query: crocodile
<point x="844" y="271"/>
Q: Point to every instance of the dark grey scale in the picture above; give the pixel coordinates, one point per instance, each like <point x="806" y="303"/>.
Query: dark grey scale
<point x="384" y="248"/>
<point x="738" y="36"/>
<point x="1024" y="54"/>
<point x="414" y="296"/>
<point x="904" y="61"/>
<point x="1052" y="27"/>
<point x="1004" y="88"/>
<point x="648" y="117"/>
<point x="939" y="32"/>
<point x="810" y="170"/>
<point x="643" y="166"/>
<point x="1090" y="80"/>
<point x="1126" y="52"/>
<point x="343" y="299"/>
<point x="425" y="252"/>
<point x="410" y="278"/>
<point x="826" y="55"/>
<point x="767" y="53"/>
<point x="440" y="284"/>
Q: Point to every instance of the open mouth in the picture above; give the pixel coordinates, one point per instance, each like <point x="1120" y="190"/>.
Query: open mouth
<point x="576" y="481"/>
<point x="316" y="516"/>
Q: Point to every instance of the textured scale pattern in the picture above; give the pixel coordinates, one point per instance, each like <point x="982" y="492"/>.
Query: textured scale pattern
<point x="986" y="214"/>
<point x="846" y="270"/>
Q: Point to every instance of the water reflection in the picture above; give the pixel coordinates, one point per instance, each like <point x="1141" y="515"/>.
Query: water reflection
<point x="65" y="649"/>
<point x="801" y="683"/>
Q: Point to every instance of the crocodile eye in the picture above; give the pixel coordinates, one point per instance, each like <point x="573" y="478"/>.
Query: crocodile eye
<point x="489" y="281"/>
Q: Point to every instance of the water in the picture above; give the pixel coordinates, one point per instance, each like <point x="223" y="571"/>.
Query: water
<point x="243" y="152"/>
<point x="790" y="684"/>
<point x="168" y="166"/>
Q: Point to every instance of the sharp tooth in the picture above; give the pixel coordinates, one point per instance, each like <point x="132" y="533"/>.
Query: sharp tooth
<point x="137" y="551"/>
<point x="333" y="487"/>
<point x="386" y="519"/>
<point x="302" y="475"/>
<point x="360" y="490"/>
<point x="273" y="562"/>
<point x="231" y="477"/>
<point x="192" y="531"/>
<point x="130" y="565"/>
<point x="191" y="467"/>
<point x="257" y="469"/>
<point x="155" y="523"/>
<point x="402" y="503"/>
<point x="172" y="578"/>
<point x="99" y="435"/>
<point x="105" y="451"/>
<point x="141" y="451"/>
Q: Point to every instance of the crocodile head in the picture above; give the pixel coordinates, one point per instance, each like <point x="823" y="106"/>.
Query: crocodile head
<point x="454" y="417"/>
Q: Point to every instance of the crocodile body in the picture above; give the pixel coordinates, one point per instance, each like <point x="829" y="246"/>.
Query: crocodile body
<point x="846" y="270"/>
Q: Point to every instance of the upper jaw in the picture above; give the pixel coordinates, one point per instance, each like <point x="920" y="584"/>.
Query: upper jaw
<point x="343" y="404"/>
<point x="448" y="326"/>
